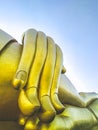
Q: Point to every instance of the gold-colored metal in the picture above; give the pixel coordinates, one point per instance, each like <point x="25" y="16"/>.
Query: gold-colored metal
<point x="48" y="111"/>
<point x="63" y="70"/>
<point x="36" y="67"/>
<point x="29" y="43"/>
<point x="56" y="79"/>
<point x="5" y="39"/>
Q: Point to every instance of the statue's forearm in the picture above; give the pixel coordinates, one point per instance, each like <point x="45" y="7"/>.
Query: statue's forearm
<point x="9" y="60"/>
<point x="10" y="125"/>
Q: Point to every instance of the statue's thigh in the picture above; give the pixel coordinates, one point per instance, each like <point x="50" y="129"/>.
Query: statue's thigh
<point x="10" y="125"/>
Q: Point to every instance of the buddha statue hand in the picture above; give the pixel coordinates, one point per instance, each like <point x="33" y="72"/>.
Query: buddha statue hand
<point x="40" y="82"/>
<point x="44" y="90"/>
<point x="81" y="111"/>
<point x="38" y="76"/>
<point x="73" y="118"/>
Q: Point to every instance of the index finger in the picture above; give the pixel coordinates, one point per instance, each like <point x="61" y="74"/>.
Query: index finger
<point x="29" y="41"/>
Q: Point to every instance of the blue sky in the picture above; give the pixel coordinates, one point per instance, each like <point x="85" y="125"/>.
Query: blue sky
<point x="73" y="24"/>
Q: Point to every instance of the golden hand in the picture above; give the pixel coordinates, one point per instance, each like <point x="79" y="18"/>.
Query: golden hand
<point x="38" y="76"/>
<point x="81" y="109"/>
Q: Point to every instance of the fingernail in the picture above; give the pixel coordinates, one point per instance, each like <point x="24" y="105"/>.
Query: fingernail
<point x="20" y="79"/>
<point x="18" y="83"/>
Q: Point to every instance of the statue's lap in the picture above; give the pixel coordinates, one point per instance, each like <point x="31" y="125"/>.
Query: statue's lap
<point x="10" y="125"/>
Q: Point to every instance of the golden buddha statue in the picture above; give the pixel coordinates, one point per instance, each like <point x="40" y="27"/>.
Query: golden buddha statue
<point x="35" y="93"/>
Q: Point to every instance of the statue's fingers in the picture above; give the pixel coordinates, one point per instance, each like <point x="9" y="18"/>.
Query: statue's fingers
<point x="56" y="79"/>
<point x="36" y="69"/>
<point x="72" y="118"/>
<point x="22" y="119"/>
<point x="26" y="107"/>
<point x="29" y="123"/>
<point x="48" y="112"/>
<point x="57" y="124"/>
<point x="32" y="123"/>
<point x="29" y="41"/>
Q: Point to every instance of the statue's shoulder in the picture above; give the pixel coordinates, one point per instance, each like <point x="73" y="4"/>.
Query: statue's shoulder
<point x="5" y="38"/>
